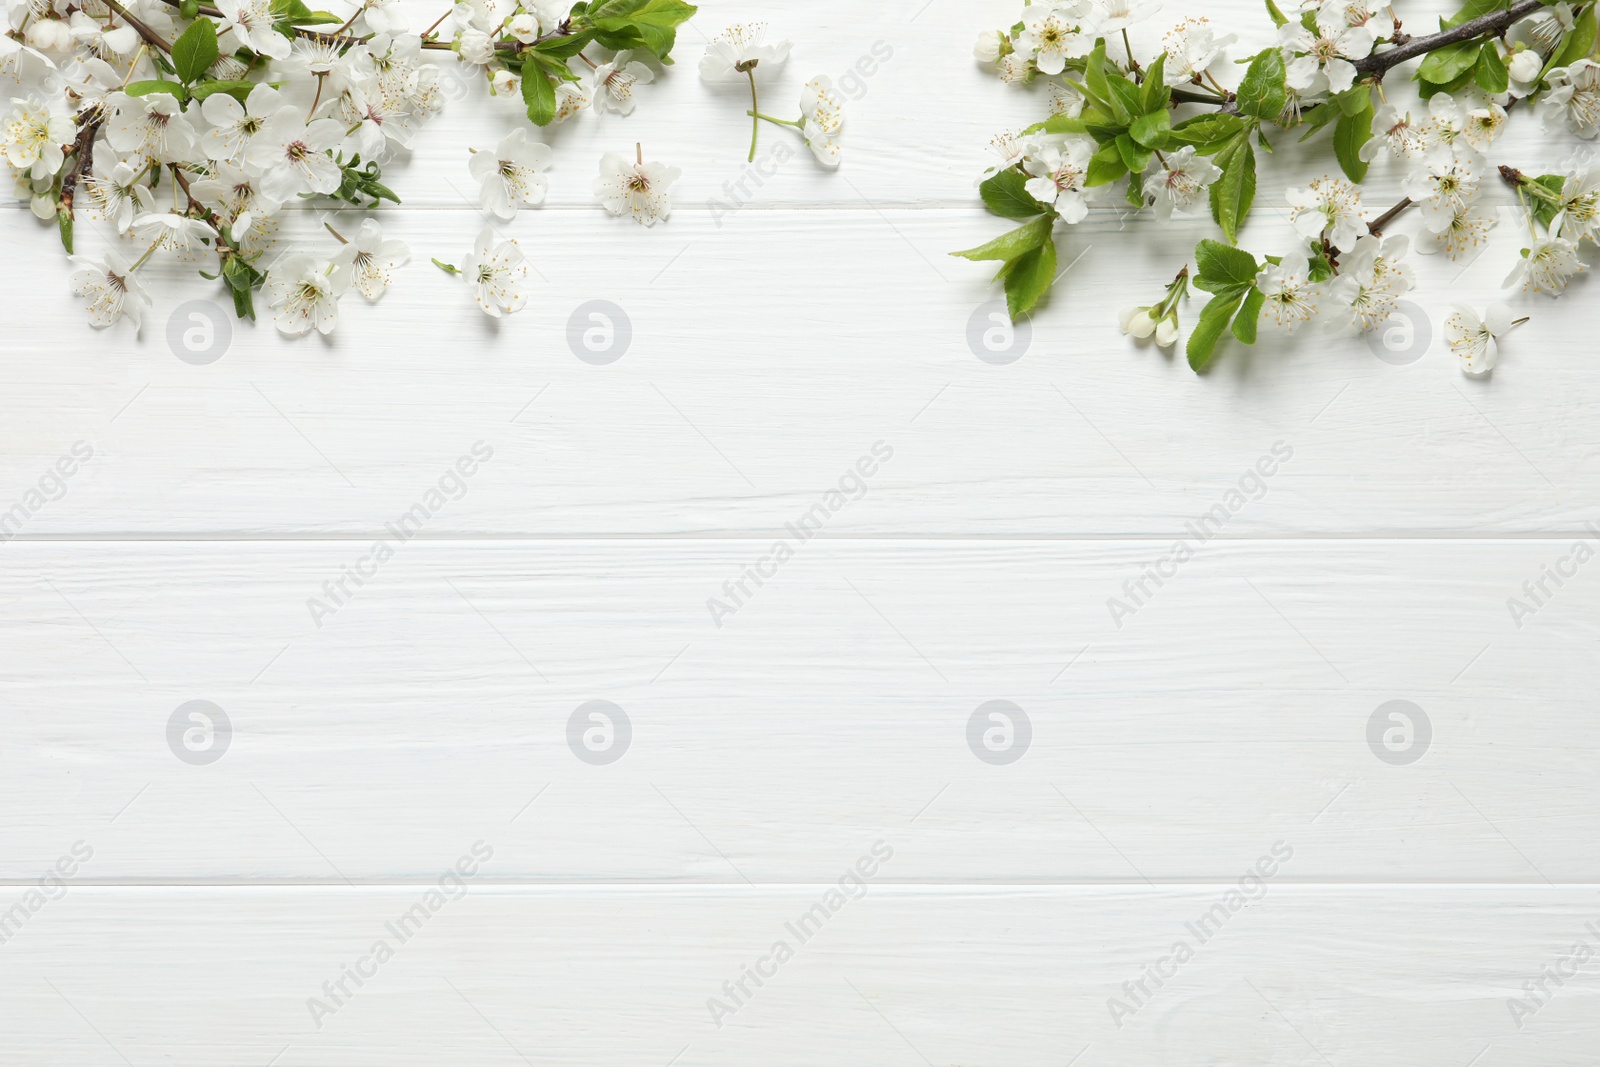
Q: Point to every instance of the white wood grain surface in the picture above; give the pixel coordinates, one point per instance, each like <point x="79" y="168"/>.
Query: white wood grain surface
<point x="779" y="335"/>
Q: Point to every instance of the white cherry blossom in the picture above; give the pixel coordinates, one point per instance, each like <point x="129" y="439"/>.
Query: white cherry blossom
<point x="1475" y="339"/>
<point x="113" y="291"/>
<point x="303" y="293"/>
<point x="1059" y="167"/>
<point x="511" y="176"/>
<point x="614" y="82"/>
<point x="370" y="259"/>
<point x="497" y="273"/>
<point x="291" y="155"/>
<point x="741" y="51"/>
<point x="638" y="189"/>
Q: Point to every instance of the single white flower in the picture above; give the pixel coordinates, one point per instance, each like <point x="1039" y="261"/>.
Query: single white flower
<point x="1573" y="99"/>
<point x="614" y="82"/>
<point x="496" y="270"/>
<point x="510" y="177"/>
<point x="1179" y="181"/>
<point x="21" y="66"/>
<point x="291" y="155"/>
<point x="1322" y="60"/>
<point x="1114" y="16"/>
<point x="1547" y="266"/>
<point x="1372" y="278"/>
<point x="638" y="189"/>
<point x="233" y="124"/>
<point x="1394" y="132"/>
<point x="1064" y="99"/>
<point x="1457" y="231"/>
<point x="571" y="98"/>
<point x="989" y="46"/>
<point x="1015" y="69"/>
<point x="1548" y="27"/>
<point x="49" y="34"/>
<point x="1484" y="125"/>
<point x="1049" y="38"/>
<point x="304" y="293"/>
<point x="1291" y="296"/>
<point x="251" y="23"/>
<point x="1059" y="168"/>
<point x="1444" y="185"/>
<point x="232" y="193"/>
<point x="1580" y="204"/>
<point x="1475" y="340"/>
<point x="112" y="290"/>
<point x="372" y="121"/>
<point x="33" y="137"/>
<point x="370" y="259"/>
<point x="1329" y="206"/>
<point x="117" y="190"/>
<point x="152" y="125"/>
<point x="174" y="232"/>
<point x="93" y="36"/>
<point x="822" y="114"/>
<point x="1192" y="47"/>
<point x="740" y="51"/>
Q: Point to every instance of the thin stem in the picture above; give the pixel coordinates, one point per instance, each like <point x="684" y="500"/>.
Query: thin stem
<point x="329" y="227"/>
<point x="755" y="108"/>
<point x="1189" y="96"/>
<point x="638" y="148"/>
<point x="1376" y="226"/>
<point x="1128" y="46"/>
<point x="151" y="36"/>
<point x="147" y="254"/>
<point x="796" y="123"/>
<point x="352" y="19"/>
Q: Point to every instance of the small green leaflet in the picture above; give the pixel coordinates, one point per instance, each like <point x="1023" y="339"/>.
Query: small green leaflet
<point x="539" y="93"/>
<point x="1353" y="131"/>
<point x="1229" y="274"/>
<point x="1009" y="246"/>
<point x="1234" y="192"/>
<point x="1264" y="92"/>
<point x="1006" y="195"/>
<point x="1028" y="278"/>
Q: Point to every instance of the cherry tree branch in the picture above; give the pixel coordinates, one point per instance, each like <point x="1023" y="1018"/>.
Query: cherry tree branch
<point x="1496" y="22"/>
<point x="150" y="36"/>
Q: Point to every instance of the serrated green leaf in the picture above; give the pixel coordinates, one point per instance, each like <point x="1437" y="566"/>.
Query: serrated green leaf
<point x="145" y="88"/>
<point x="1234" y="192"/>
<point x="1353" y="131"/>
<point x="1029" y="278"/>
<point x="64" y="228"/>
<point x="195" y="50"/>
<point x="236" y="89"/>
<point x="1134" y="156"/>
<point x="1471" y="10"/>
<point x="1150" y="129"/>
<point x="1208" y="134"/>
<point x="1006" y="195"/>
<point x="1157" y="94"/>
<point x="1214" y="319"/>
<point x="1264" y="91"/>
<point x="539" y="93"/>
<point x="1444" y="65"/>
<point x="1106" y="166"/>
<point x="1491" y="71"/>
<point x="1278" y="17"/>
<point x="1220" y="267"/>
<point x="1244" y="324"/>
<point x="1012" y="244"/>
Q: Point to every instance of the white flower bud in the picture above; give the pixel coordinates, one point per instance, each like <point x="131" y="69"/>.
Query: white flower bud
<point x="989" y="45"/>
<point x="524" y="28"/>
<point x="1525" y="66"/>
<point x="476" y="47"/>
<point x="505" y="83"/>
<point x="1136" y="322"/>
<point x="1167" y="331"/>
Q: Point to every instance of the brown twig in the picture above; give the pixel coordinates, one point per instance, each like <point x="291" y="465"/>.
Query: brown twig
<point x="1496" y="22"/>
<point x="1376" y="226"/>
<point x="150" y="36"/>
<point x="89" y="121"/>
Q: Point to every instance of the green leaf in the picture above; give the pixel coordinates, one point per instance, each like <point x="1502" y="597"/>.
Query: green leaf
<point x="1150" y="129"/>
<point x="1444" y="65"/>
<point x="1094" y="76"/>
<point x="1009" y="246"/>
<point x="188" y="9"/>
<point x="1491" y="72"/>
<point x="1234" y="192"/>
<point x="1207" y="133"/>
<point x="1134" y="157"/>
<point x="1135" y="194"/>
<point x="1006" y="195"/>
<point x="1545" y="210"/>
<point x="539" y="93"/>
<point x="1220" y="267"/>
<point x="1213" y="320"/>
<point x="1157" y="94"/>
<point x="654" y="22"/>
<point x="1263" y="92"/>
<point x="195" y="50"/>
<point x="1060" y="124"/>
<point x="1473" y="9"/>
<point x="236" y="89"/>
<point x="564" y="47"/>
<point x="64" y="227"/>
<point x="1106" y="166"/>
<point x="145" y="88"/>
<point x="1028" y="278"/>
<point x="1278" y="17"/>
<point x="1352" y="132"/>
<point x="1126" y="94"/>
<point x="1244" y="326"/>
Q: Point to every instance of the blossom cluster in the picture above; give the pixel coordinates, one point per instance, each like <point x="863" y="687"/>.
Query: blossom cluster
<point x="189" y="128"/>
<point x="1167" y="124"/>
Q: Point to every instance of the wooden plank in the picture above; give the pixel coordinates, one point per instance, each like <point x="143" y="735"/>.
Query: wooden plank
<point x="753" y="380"/>
<point x="1169" y="727"/>
<point x="1293" y="975"/>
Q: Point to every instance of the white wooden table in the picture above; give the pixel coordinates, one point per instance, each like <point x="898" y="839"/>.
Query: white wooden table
<point x="627" y="882"/>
